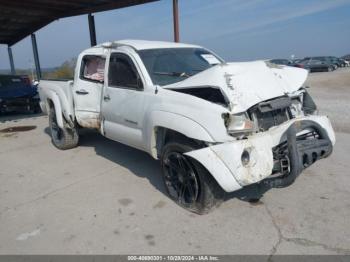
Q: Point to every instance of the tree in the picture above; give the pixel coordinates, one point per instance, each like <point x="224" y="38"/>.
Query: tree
<point x="65" y="71"/>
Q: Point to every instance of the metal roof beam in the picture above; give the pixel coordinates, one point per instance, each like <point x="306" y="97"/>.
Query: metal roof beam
<point x="12" y="64"/>
<point x="92" y="30"/>
<point x="36" y="57"/>
<point x="176" y="20"/>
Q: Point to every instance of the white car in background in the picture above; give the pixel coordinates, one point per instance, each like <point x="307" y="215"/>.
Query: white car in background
<point x="215" y="126"/>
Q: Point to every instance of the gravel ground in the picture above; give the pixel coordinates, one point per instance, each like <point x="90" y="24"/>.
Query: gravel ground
<point x="106" y="198"/>
<point x="331" y="92"/>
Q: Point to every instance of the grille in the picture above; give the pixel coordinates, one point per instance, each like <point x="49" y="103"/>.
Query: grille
<point x="273" y="118"/>
<point x="271" y="113"/>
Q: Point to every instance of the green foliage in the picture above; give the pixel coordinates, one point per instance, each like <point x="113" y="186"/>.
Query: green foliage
<point x="65" y="71"/>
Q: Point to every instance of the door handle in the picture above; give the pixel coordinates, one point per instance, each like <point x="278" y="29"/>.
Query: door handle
<point x="82" y="92"/>
<point x="106" y="98"/>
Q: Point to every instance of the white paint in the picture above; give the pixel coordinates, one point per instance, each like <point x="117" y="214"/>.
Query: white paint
<point x="132" y="116"/>
<point x="224" y="160"/>
<point x="25" y="236"/>
<point x="248" y="83"/>
<point x="144" y="44"/>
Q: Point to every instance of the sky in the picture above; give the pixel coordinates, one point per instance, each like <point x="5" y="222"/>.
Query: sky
<point x="237" y="30"/>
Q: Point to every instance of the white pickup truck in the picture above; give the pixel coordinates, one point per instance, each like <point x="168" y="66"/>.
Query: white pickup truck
<point x="215" y="126"/>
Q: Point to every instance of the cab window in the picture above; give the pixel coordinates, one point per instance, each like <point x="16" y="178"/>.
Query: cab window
<point x="92" y="68"/>
<point x="123" y="73"/>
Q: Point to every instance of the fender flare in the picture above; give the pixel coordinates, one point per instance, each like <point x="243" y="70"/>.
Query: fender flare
<point x="57" y="106"/>
<point x="175" y="122"/>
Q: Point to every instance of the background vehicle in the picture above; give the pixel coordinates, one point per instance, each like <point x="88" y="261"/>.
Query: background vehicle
<point x="346" y="57"/>
<point x="334" y="60"/>
<point x="344" y="63"/>
<point x="18" y="94"/>
<point x="294" y="61"/>
<point x="281" y="61"/>
<point x="347" y="63"/>
<point x="314" y="65"/>
<point x="329" y="60"/>
<point x="214" y="126"/>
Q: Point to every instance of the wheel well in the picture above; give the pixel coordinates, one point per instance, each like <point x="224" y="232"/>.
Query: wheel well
<point x="164" y="135"/>
<point x="66" y="122"/>
<point x="50" y="104"/>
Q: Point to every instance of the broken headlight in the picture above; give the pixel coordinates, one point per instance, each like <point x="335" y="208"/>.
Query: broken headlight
<point x="302" y="104"/>
<point x="238" y="123"/>
<point x="296" y="107"/>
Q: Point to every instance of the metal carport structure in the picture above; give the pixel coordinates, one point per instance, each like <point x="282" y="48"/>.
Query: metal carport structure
<point x="21" y="18"/>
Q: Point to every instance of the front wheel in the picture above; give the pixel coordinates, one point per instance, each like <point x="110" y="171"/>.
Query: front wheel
<point x="62" y="138"/>
<point x="187" y="182"/>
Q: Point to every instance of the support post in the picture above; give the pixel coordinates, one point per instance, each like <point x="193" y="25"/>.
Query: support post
<point x="36" y="57"/>
<point x="176" y="20"/>
<point x="12" y="64"/>
<point x="92" y="29"/>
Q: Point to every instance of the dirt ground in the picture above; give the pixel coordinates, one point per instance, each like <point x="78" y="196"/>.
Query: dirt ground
<point x="332" y="94"/>
<point x="106" y="198"/>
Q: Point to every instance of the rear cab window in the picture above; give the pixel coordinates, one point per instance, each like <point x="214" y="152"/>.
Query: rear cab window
<point x="93" y="68"/>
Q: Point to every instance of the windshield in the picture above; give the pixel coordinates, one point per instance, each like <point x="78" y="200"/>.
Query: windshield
<point x="170" y="65"/>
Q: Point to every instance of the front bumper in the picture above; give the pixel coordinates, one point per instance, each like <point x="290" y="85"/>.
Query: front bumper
<point x="279" y="150"/>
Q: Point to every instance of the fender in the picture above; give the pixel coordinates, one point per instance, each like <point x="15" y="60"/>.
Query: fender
<point x="57" y="105"/>
<point x="65" y="100"/>
<point x="61" y="103"/>
<point x="176" y="122"/>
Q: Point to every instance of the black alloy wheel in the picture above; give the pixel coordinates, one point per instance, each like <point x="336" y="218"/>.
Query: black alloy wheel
<point x="180" y="179"/>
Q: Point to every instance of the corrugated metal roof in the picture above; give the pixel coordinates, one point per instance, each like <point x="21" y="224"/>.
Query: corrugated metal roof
<point x="20" y="18"/>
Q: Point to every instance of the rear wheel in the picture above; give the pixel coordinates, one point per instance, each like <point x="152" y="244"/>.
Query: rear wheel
<point x="187" y="182"/>
<point x="62" y="138"/>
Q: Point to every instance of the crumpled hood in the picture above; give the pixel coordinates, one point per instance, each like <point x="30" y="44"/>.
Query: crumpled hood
<point x="247" y="83"/>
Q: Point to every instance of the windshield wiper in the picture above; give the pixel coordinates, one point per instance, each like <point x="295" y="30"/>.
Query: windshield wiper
<point x="175" y="74"/>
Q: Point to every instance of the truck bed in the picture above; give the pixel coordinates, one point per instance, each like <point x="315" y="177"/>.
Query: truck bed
<point x="62" y="88"/>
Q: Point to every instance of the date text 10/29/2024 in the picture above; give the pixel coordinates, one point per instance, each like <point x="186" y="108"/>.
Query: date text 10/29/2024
<point x="173" y="258"/>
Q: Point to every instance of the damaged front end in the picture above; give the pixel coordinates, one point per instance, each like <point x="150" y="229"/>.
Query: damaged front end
<point x="297" y="152"/>
<point x="274" y="157"/>
<point x="266" y="114"/>
<point x="271" y="119"/>
<point x="275" y="140"/>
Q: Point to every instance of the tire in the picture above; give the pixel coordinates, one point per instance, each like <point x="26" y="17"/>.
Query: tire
<point x="330" y="69"/>
<point x="62" y="138"/>
<point x="201" y="193"/>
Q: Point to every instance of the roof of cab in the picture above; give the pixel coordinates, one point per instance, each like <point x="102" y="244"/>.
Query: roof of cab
<point x="144" y="44"/>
